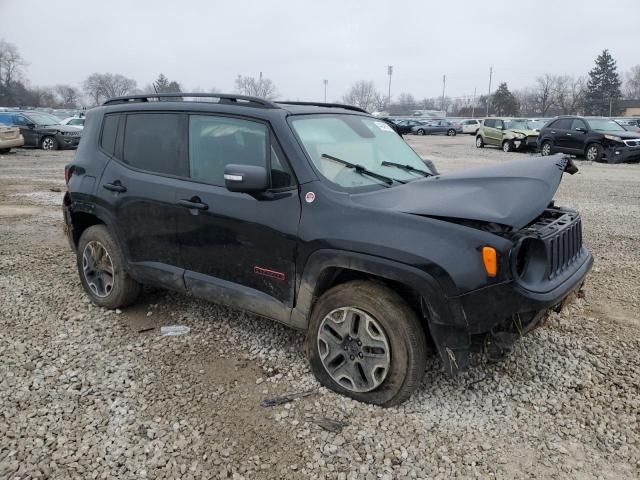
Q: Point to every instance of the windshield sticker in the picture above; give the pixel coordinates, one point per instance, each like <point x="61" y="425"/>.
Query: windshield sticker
<point x="383" y="126"/>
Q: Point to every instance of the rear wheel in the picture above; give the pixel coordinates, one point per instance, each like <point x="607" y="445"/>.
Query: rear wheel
<point x="451" y="132"/>
<point x="365" y="342"/>
<point x="593" y="153"/>
<point x="479" y="142"/>
<point x="4" y="150"/>
<point x="420" y="131"/>
<point x="101" y="268"/>
<point x="545" y="149"/>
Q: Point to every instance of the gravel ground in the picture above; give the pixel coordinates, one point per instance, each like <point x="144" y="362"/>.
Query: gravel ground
<point x="89" y="393"/>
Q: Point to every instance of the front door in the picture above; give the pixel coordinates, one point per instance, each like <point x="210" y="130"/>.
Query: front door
<point x="577" y="136"/>
<point x="29" y="133"/>
<point x="240" y="248"/>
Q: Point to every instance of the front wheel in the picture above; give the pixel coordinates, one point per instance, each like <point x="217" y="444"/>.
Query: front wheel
<point x="49" y="143"/>
<point x="479" y="142"/>
<point x="594" y="152"/>
<point x="545" y="149"/>
<point x="4" y="151"/>
<point x="451" y="132"/>
<point x="420" y="132"/>
<point x="102" y="272"/>
<point x="507" y="146"/>
<point x="365" y="342"/>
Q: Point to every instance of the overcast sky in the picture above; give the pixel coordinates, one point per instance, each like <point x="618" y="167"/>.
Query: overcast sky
<point x="299" y="43"/>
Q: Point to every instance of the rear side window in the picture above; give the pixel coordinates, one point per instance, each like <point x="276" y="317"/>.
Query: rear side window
<point x="109" y="130"/>
<point x="562" y="124"/>
<point x="490" y="123"/>
<point x="215" y="142"/>
<point x="153" y="142"/>
<point x="6" y="118"/>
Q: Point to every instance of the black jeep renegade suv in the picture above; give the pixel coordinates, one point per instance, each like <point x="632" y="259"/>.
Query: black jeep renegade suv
<point x="320" y="217"/>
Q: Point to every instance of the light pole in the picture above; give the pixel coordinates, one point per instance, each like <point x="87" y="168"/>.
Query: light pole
<point x="389" y="72"/>
<point x="473" y="104"/>
<point x="444" y="82"/>
<point x="489" y="95"/>
<point x="325" y="90"/>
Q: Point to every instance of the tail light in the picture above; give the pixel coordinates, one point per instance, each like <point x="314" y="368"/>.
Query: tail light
<point x="68" y="171"/>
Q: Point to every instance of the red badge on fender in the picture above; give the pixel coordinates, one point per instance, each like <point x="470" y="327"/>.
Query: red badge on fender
<point x="310" y="197"/>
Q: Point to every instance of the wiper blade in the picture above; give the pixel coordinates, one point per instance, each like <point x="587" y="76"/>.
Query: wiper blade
<point x="408" y="168"/>
<point x="362" y="170"/>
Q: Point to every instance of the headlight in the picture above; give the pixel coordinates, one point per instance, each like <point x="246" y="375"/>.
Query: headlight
<point x="614" y="138"/>
<point x="520" y="136"/>
<point x="529" y="261"/>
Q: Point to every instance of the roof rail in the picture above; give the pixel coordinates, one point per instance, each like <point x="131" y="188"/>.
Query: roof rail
<point x="225" y="98"/>
<point x="328" y="105"/>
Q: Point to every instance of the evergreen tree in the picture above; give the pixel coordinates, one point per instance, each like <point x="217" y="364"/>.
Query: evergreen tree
<point x="503" y="102"/>
<point x="163" y="85"/>
<point x="603" y="87"/>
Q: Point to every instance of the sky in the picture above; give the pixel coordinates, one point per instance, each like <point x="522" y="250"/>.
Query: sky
<point x="298" y="44"/>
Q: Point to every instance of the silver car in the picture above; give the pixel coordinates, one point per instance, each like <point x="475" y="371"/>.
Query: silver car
<point x="436" y="127"/>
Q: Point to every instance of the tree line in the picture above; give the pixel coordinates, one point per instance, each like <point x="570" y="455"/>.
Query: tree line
<point x="596" y="94"/>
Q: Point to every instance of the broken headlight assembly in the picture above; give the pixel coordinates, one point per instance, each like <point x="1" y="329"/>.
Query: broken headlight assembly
<point x="529" y="261"/>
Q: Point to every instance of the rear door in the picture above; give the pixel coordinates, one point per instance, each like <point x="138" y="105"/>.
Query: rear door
<point x="138" y="188"/>
<point x="577" y="136"/>
<point x="235" y="246"/>
<point x="490" y="132"/>
<point x="561" y="133"/>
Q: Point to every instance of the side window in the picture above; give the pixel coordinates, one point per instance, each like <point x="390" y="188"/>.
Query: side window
<point x="499" y="124"/>
<point x="577" y="123"/>
<point x="109" y="130"/>
<point x="281" y="176"/>
<point x="6" y="118"/>
<point x="153" y="142"/>
<point x="217" y="141"/>
<point x="490" y="123"/>
<point x="20" y="120"/>
<point x="563" y="124"/>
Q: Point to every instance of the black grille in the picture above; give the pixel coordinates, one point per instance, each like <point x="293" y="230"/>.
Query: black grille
<point x="561" y="232"/>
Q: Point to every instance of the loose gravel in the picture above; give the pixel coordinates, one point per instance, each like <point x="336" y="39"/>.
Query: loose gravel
<point x="88" y="393"/>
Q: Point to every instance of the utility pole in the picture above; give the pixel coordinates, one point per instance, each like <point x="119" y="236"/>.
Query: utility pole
<point x="325" y="89"/>
<point x="489" y="95"/>
<point x="389" y="72"/>
<point x="610" y="105"/>
<point x="444" y="82"/>
<point x="473" y="104"/>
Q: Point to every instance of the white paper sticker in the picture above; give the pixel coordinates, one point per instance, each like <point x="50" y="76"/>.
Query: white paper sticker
<point x="383" y="126"/>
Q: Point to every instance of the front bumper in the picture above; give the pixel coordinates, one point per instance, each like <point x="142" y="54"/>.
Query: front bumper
<point x="526" y="143"/>
<point x="68" y="141"/>
<point x="12" y="143"/>
<point x="622" y="154"/>
<point x="505" y="310"/>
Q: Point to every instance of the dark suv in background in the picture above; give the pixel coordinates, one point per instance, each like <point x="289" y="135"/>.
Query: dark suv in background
<point x="596" y="138"/>
<point x="321" y="217"/>
<point x="42" y="130"/>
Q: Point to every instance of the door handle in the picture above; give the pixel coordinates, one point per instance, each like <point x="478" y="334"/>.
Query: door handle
<point x="552" y="131"/>
<point x="568" y="134"/>
<point x="115" y="187"/>
<point x="193" y="203"/>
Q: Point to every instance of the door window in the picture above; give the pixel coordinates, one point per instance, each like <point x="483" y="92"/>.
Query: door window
<point x="153" y="142"/>
<point x="577" y="123"/>
<point x="490" y="123"/>
<point x="20" y="120"/>
<point x="563" y="124"/>
<point x="109" y="130"/>
<point x="499" y="124"/>
<point x="215" y="142"/>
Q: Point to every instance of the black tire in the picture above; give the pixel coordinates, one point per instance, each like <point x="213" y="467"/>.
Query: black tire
<point x="593" y="152"/>
<point x="124" y="290"/>
<point x="451" y="132"/>
<point x="4" y="151"/>
<point x="420" y="131"/>
<point x="479" y="141"/>
<point x="546" y="148"/>
<point x="49" y="143"/>
<point x="401" y="328"/>
<point x="507" y="146"/>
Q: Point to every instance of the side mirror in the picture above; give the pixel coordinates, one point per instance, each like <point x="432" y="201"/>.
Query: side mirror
<point x="31" y="125"/>
<point x="245" y="178"/>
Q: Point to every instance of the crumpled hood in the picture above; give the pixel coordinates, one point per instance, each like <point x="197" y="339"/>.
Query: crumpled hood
<point x="511" y="193"/>
<point x="526" y="133"/>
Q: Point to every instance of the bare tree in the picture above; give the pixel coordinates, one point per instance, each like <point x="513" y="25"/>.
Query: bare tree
<point x="406" y="100"/>
<point x="69" y="96"/>
<point x="11" y="64"/>
<point x="569" y="93"/>
<point x="632" y="83"/>
<point x="363" y="94"/>
<point x="527" y="99"/>
<point x="100" y="86"/>
<point x="261" y="87"/>
<point x="544" y="93"/>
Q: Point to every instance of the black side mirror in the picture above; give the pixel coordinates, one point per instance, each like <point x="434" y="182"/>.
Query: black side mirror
<point x="245" y="178"/>
<point x="31" y="125"/>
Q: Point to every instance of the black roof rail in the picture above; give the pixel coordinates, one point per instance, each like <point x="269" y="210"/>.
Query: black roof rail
<point x="328" y="105"/>
<point x="225" y="98"/>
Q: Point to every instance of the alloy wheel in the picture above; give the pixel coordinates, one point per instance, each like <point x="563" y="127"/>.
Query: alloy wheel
<point x="546" y="149"/>
<point x="592" y="153"/>
<point x="97" y="268"/>
<point x="48" y="143"/>
<point x="354" y="349"/>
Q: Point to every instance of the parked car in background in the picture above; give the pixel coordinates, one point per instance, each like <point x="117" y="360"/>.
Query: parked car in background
<point x="74" y="122"/>
<point x="596" y="138"/>
<point x="405" y="126"/>
<point x="471" y="125"/>
<point x="42" y="130"/>
<point x="10" y="137"/>
<point x="629" y="124"/>
<point x="508" y="133"/>
<point x="435" y="127"/>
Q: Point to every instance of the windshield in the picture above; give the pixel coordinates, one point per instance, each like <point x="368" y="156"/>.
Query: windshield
<point x="43" y="119"/>
<point x="605" y="125"/>
<point x="517" y="124"/>
<point x="359" y="140"/>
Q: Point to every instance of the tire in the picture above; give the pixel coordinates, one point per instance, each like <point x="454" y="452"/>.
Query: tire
<point x="451" y="132"/>
<point x="95" y="277"/>
<point x="593" y="152"/>
<point x="479" y="141"/>
<point x="4" y="151"/>
<point x="546" y="149"/>
<point x="476" y="132"/>
<point x="49" y="143"/>
<point x="394" y="322"/>
<point x="420" y="131"/>
<point x="507" y="146"/>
